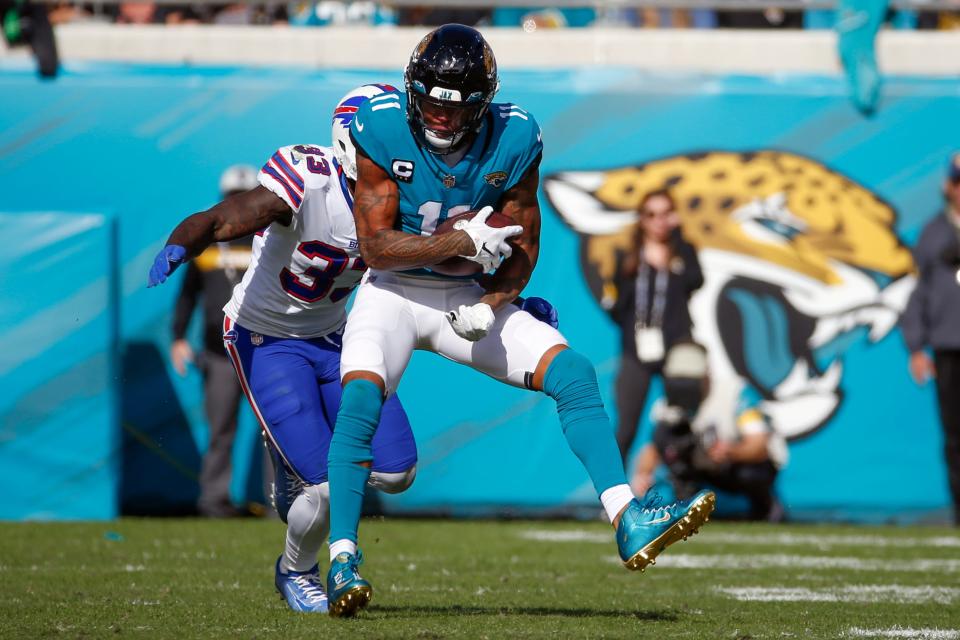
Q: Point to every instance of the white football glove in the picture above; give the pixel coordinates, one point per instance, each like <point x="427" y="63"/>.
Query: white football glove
<point x="472" y="323"/>
<point x="490" y="242"/>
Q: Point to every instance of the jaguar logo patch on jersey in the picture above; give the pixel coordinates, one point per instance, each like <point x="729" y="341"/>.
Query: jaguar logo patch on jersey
<point x="495" y="179"/>
<point x="403" y="170"/>
<point x="799" y="263"/>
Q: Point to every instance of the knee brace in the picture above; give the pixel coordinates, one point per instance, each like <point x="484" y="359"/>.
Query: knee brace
<point x="397" y="482"/>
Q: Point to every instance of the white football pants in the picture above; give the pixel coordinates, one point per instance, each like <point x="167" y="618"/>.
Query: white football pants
<point x="394" y="314"/>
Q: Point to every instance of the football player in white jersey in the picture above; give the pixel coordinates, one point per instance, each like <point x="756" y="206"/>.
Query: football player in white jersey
<point x="282" y="329"/>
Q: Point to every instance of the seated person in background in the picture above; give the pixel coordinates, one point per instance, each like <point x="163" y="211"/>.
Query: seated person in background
<point x="711" y="432"/>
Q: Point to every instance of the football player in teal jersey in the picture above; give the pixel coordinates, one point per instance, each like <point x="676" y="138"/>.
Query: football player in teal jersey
<point x="440" y="148"/>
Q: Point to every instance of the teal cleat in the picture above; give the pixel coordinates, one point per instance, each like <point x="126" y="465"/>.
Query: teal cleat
<point x="347" y="591"/>
<point x="645" y="530"/>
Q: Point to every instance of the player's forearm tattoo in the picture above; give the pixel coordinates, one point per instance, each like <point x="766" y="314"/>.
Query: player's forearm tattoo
<point x="391" y="249"/>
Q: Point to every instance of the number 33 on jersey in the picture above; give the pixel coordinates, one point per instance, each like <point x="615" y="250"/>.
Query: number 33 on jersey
<point x="301" y="274"/>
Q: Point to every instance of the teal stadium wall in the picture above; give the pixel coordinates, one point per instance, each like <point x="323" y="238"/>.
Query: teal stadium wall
<point x="94" y="422"/>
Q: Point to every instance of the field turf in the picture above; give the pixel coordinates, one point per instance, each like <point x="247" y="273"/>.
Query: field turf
<point x="482" y="579"/>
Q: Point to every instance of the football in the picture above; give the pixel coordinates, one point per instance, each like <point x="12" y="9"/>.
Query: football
<point x="458" y="266"/>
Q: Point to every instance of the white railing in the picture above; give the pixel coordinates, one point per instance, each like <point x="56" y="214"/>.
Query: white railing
<point x="658" y="50"/>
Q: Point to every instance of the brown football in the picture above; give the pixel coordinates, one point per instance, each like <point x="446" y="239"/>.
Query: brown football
<point x="458" y="266"/>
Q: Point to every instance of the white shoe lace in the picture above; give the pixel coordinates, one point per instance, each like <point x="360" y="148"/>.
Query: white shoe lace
<point x="311" y="588"/>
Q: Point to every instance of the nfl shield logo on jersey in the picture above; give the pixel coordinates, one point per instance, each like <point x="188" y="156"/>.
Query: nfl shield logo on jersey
<point x="449" y="181"/>
<point x="256" y="339"/>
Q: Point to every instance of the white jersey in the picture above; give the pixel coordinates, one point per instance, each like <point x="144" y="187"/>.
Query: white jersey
<point x="301" y="275"/>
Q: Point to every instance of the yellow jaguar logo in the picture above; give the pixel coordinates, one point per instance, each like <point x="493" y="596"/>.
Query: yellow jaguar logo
<point x="799" y="261"/>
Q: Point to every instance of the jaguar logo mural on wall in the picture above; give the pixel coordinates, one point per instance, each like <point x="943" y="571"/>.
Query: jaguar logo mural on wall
<point x="800" y="262"/>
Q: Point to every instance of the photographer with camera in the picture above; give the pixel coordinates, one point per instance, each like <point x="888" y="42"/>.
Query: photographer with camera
<point x="931" y="320"/>
<point x="711" y="432"/>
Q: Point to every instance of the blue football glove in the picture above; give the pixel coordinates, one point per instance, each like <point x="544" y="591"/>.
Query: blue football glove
<point x="541" y="310"/>
<point x="166" y="262"/>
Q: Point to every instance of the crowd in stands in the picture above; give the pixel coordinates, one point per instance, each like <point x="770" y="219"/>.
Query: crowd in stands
<point x="367" y="12"/>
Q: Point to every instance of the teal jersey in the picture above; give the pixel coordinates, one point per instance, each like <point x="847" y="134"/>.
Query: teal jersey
<point x="507" y="145"/>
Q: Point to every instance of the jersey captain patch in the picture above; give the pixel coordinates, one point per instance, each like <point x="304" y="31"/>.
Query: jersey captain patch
<point x="403" y="170"/>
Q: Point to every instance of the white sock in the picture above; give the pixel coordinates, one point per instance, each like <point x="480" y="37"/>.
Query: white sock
<point x="615" y="499"/>
<point x="342" y="546"/>
<point x="308" y="523"/>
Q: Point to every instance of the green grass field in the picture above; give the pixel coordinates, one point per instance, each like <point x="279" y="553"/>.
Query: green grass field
<point x="481" y="579"/>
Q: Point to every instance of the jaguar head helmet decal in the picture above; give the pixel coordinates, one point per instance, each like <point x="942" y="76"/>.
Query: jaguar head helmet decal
<point x="800" y="263"/>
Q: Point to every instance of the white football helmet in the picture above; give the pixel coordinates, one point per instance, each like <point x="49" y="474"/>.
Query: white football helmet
<point x="343" y="149"/>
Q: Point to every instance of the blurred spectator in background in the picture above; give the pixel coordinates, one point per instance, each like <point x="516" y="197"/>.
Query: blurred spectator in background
<point x="826" y="19"/>
<point x="939" y="20"/>
<point x="341" y="12"/>
<point x="213" y="275"/>
<point x="533" y="18"/>
<point x="677" y="18"/>
<point x="931" y="320"/>
<point x="427" y="16"/>
<point x="199" y="13"/>
<point x="770" y="18"/>
<point x="711" y="433"/>
<point x="649" y="300"/>
<point x="26" y="23"/>
<point x="137" y="13"/>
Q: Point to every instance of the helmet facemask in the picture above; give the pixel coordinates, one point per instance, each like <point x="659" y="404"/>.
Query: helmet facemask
<point x="445" y="124"/>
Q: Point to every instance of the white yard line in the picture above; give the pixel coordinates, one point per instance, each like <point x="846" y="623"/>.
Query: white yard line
<point x="569" y="535"/>
<point x="804" y="539"/>
<point x="849" y="593"/>
<point x="771" y="539"/>
<point x="900" y="632"/>
<point x="778" y="561"/>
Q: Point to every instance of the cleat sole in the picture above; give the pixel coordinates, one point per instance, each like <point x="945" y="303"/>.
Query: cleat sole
<point x="349" y="603"/>
<point x="697" y="515"/>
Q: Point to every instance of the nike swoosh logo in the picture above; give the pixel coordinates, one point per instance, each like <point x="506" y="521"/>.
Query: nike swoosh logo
<point x="359" y="125"/>
<point x="294" y="159"/>
<point x="661" y="519"/>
